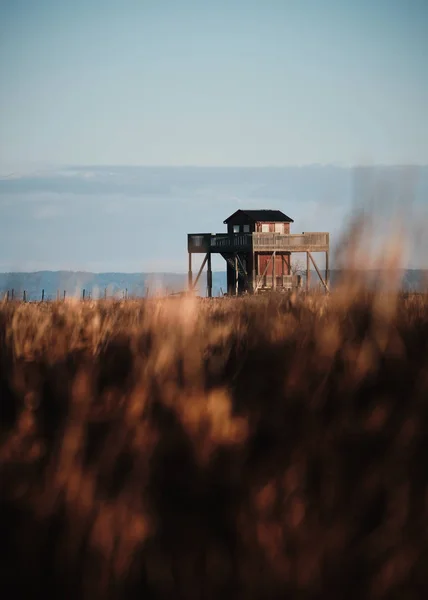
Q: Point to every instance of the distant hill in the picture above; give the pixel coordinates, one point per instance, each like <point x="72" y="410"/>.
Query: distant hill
<point x="142" y="284"/>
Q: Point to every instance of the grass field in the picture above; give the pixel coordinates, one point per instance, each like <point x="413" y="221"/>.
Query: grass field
<point x="237" y="448"/>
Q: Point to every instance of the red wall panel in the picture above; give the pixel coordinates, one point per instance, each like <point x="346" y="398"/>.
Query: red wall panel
<point x="282" y="264"/>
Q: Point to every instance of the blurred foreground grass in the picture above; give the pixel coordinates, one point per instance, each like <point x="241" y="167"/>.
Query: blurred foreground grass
<point x="240" y="448"/>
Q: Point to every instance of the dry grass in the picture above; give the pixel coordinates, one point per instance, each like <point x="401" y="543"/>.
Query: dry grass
<point x="253" y="448"/>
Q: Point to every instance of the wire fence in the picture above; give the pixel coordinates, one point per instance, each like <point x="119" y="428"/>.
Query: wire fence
<point x="22" y="296"/>
<point x="13" y="295"/>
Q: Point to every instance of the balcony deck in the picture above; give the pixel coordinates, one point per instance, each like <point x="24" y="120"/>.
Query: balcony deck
<point x="223" y="243"/>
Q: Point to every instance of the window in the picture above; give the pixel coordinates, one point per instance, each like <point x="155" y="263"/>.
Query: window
<point x="265" y="227"/>
<point x="279" y="227"/>
<point x="236" y="229"/>
<point x="246" y="229"/>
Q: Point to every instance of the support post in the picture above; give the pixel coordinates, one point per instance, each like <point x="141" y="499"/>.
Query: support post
<point x="236" y="276"/>
<point x="258" y="273"/>
<point x="318" y="272"/>
<point x="253" y="282"/>
<point x="260" y="280"/>
<point x="244" y="270"/>
<point x="327" y="270"/>
<point x="199" y="272"/>
<point x="308" y="272"/>
<point x="273" y="272"/>
<point x="209" y="277"/>
<point x="189" y="274"/>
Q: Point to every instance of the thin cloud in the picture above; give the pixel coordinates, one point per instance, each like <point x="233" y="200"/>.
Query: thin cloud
<point x="48" y="211"/>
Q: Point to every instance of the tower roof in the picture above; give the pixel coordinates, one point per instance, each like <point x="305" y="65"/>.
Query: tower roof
<point x="269" y="216"/>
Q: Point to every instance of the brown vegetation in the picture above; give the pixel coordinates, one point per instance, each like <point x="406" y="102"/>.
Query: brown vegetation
<point x="248" y="448"/>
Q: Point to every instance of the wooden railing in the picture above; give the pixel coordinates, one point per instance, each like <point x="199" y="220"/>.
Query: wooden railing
<point x="293" y="242"/>
<point x="218" y="242"/>
<point x="258" y="242"/>
<point x="235" y="241"/>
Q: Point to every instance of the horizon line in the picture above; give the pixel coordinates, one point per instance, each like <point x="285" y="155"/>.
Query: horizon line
<point x="32" y="168"/>
<point x="166" y="272"/>
<point x="244" y="166"/>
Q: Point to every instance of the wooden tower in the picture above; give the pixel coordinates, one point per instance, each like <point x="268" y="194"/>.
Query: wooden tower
<point x="257" y="248"/>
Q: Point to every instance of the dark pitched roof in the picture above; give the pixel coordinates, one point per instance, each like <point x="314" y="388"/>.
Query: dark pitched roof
<point x="271" y="216"/>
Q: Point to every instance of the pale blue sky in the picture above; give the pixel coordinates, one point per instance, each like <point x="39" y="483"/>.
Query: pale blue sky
<point x="219" y="82"/>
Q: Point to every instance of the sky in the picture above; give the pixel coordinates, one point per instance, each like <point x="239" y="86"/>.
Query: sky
<point x="223" y="83"/>
<point x="134" y="219"/>
<point x="247" y="97"/>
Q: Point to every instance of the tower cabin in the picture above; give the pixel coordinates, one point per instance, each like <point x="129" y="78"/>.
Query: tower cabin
<point x="257" y="249"/>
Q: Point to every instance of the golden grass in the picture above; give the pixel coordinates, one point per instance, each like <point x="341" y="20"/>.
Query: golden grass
<point x="241" y="448"/>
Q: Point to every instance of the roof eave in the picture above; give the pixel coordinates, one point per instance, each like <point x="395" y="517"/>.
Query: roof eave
<point x="225" y="222"/>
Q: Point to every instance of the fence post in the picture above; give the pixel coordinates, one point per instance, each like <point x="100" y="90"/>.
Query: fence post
<point x="64" y="295"/>
<point x="43" y="295"/>
<point x="83" y="295"/>
<point x="24" y="297"/>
